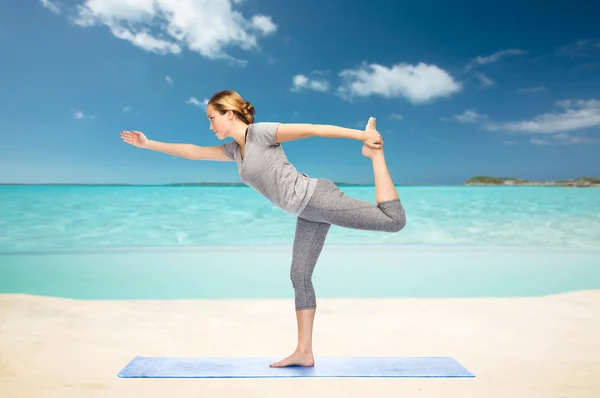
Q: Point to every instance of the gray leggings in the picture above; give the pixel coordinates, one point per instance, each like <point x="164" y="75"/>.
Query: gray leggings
<point x="329" y="205"/>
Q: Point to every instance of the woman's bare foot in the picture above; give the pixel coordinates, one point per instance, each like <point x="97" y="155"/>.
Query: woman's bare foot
<point x="296" y="359"/>
<point x="370" y="152"/>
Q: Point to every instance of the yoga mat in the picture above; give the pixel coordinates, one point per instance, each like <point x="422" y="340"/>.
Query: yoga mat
<point x="224" y="367"/>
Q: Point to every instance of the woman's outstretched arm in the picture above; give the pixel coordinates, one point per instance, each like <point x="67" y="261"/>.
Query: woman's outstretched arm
<point x="296" y="131"/>
<point x="329" y="131"/>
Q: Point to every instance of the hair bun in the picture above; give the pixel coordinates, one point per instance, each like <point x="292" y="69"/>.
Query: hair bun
<point x="248" y="108"/>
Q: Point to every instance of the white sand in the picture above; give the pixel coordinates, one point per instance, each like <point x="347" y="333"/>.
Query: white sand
<point x="518" y="347"/>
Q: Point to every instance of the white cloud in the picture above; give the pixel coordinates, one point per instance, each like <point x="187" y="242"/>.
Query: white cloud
<point x="169" y="79"/>
<point x="264" y="24"/>
<point x="576" y="115"/>
<point x="320" y="72"/>
<point x="396" y="116"/>
<point x="485" y="81"/>
<point x="539" y="142"/>
<point x="126" y="109"/>
<point x="51" y="5"/>
<point x="167" y="27"/>
<point x="581" y="49"/>
<point x="562" y="139"/>
<point x="588" y="65"/>
<point x="567" y="139"/>
<point x="495" y="57"/>
<point x="417" y="83"/>
<point x="470" y="116"/>
<point x="303" y="82"/>
<point x="80" y="115"/>
<point x="536" y="89"/>
<point x="194" y="101"/>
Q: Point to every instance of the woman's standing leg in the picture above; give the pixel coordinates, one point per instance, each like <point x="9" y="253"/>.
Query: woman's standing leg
<point x="308" y="244"/>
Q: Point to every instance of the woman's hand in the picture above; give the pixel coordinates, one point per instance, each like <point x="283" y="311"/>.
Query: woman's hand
<point x="371" y="136"/>
<point x="135" y="138"/>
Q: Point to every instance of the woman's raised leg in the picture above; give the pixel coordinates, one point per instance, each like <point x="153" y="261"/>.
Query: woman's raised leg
<point x="329" y="204"/>
<point x="384" y="186"/>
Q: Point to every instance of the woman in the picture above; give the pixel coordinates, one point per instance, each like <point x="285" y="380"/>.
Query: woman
<point x="318" y="203"/>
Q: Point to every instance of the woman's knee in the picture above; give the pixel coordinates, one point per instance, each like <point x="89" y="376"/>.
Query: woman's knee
<point x="395" y="211"/>
<point x="397" y="224"/>
<point x="299" y="278"/>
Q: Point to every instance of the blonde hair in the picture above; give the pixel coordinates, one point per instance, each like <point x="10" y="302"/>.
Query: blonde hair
<point x="229" y="100"/>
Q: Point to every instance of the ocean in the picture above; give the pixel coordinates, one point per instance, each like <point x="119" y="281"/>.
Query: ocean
<point x="65" y="217"/>
<point x="229" y="241"/>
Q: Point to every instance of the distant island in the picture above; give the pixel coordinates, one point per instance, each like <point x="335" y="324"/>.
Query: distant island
<point x="583" y="182"/>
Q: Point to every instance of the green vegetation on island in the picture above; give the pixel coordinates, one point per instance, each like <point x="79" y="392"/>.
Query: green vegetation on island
<point x="575" y="182"/>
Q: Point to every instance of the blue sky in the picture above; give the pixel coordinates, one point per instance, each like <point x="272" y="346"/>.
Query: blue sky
<point x="458" y="88"/>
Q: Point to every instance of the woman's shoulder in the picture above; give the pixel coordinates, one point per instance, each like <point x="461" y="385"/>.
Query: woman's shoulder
<point x="264" y="125"/>
<point x="263" y="133"/>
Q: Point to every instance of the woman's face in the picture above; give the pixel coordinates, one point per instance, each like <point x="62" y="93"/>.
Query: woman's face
<point x="220" y="124"/>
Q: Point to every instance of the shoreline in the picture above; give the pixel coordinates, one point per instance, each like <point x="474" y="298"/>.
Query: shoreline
<point x="579" y="182"/>
<point x="527" y="347"/>
<point x="339" y="185"/>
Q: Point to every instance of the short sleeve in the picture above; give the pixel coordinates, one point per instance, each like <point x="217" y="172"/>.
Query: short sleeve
<point x="229" y="149"/>
<point x="264" y="133"/>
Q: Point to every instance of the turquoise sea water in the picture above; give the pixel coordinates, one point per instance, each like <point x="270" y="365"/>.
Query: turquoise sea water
<point x="48" y="217"/>
<point x="202" y="242"/>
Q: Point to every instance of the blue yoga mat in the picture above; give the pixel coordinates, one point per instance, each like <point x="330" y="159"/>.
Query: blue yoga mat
<point x="161" y="367"/>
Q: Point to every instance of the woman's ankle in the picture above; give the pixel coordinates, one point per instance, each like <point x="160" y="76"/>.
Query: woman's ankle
<point x="303" y="350"/>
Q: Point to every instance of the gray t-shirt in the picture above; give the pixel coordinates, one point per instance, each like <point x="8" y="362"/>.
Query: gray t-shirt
<point x="266" y="169"/>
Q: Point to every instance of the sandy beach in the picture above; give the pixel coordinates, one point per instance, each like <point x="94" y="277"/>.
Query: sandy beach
<point x="516" y="347"/>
